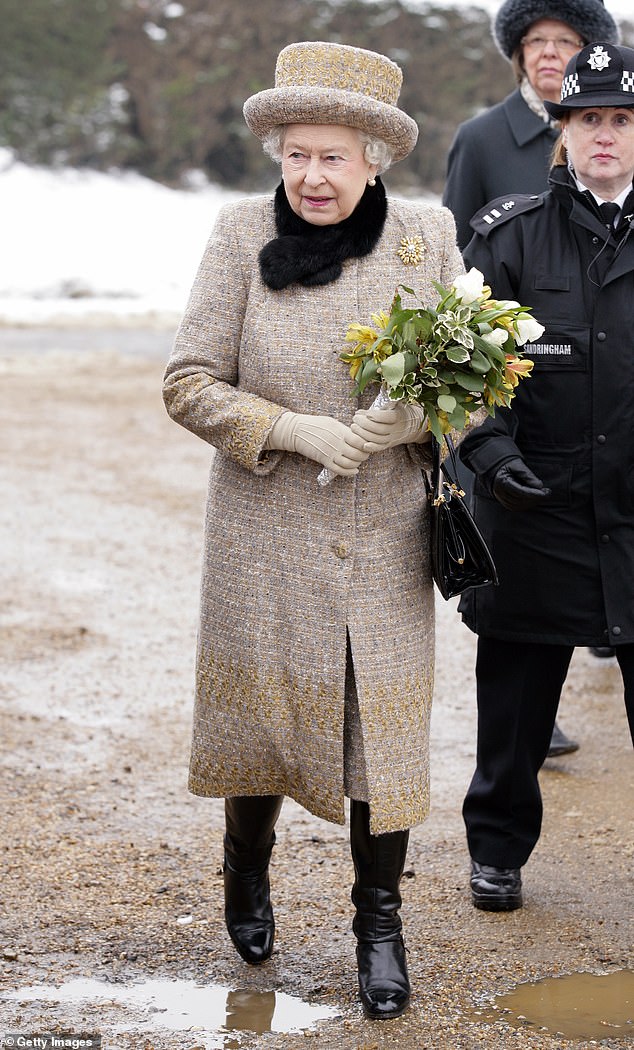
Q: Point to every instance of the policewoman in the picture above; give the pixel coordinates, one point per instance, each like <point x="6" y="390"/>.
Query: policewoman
<point x="538" y="38"/>
<point x="509" y="146"/>
<point x="555" y="475"/>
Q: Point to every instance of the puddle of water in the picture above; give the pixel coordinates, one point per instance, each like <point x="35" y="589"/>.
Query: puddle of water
<point x="206" y="1011"/>
<point x="578" y="1006"/>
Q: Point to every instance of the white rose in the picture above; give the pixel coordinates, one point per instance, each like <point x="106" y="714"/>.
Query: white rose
<point x="528" y="330"/>
<point x="469" y="286"/>
<point x="497" y="337"/>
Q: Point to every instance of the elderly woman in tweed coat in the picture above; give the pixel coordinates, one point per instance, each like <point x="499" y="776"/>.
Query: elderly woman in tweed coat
<point x="316" y="643"/>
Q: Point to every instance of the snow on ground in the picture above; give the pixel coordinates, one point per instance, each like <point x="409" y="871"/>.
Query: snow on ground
<point x="84" y="246"/>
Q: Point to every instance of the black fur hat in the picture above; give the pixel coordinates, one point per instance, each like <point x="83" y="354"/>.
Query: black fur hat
<point x="588" y="18"/>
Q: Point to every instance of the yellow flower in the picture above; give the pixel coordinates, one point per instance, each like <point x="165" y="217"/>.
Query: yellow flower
<point x="380" y="319"/>
<point x="516" y="369"/>
<point x="443" y="419"/>
<point x="367" y="343"/>
<point x="505" y="321"/>
<point x="498" y="397"/>
<point x="361" y="334"/>
<point x="355" y="364"/>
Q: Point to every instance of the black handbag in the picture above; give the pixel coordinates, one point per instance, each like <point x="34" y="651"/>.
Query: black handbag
<point x="460" y="557"/>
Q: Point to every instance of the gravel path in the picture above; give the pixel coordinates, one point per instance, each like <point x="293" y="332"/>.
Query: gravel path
<point x="111" y="871"/>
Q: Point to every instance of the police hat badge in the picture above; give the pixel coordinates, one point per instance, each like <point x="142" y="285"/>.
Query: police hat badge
<point x="601" y="74"/>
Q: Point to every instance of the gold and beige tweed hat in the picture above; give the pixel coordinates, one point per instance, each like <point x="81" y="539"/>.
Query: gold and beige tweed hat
<point x="323" y="83"/>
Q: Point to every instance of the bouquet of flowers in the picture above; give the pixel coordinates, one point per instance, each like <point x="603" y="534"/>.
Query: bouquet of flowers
<point x="451" y="359"/>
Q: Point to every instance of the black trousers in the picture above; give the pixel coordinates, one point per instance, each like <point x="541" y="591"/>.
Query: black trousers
<point x="518" y="689"/>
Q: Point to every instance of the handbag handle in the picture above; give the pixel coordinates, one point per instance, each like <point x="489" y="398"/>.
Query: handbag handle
<point x="437" y="466"/>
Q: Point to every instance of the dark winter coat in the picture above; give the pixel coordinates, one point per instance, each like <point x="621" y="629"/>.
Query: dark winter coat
<point x="566" y="570"/>
<point x="506" y="149"/>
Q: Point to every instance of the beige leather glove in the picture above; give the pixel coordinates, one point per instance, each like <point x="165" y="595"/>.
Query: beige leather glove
<point x="396" y="424"/>
<point x="321" y="438"/>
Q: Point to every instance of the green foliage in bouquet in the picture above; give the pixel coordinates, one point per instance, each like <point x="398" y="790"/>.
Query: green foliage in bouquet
<point x="451" y="359"/>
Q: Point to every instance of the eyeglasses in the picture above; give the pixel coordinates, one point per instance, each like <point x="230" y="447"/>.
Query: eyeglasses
<point x="562" y="43"/>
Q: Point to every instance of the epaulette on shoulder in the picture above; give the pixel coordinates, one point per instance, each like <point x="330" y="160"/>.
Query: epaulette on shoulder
<point x="504" y="208"/>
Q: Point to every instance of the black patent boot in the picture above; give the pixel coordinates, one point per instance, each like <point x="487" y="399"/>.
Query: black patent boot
<point x="249" y="841"/>
<point x="378" y="864"/>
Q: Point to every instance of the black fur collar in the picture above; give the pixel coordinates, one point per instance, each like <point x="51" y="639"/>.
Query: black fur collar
<point x="312" y="255"/>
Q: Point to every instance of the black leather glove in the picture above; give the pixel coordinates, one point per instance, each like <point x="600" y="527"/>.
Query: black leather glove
<point x="517" y="488"/>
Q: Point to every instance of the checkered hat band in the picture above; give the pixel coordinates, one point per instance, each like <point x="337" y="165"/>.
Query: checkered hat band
<point x="570" y="86"/>
<point x="627" y="81"/>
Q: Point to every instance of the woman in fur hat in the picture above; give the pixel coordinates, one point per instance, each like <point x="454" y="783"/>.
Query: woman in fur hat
<point x="507" y="149"/>
<point x="316" y="642"/>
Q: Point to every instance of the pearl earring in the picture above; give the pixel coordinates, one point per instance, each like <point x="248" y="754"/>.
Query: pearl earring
<point x="372" y="182"/>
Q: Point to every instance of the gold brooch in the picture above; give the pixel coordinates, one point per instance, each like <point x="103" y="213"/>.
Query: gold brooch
<point x="411" y="250"/>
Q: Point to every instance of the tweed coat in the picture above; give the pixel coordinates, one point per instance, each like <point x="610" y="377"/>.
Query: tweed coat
<point x="289" y="567"/>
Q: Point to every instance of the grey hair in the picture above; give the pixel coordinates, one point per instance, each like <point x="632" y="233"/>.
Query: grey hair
<point x="375" y="150"/>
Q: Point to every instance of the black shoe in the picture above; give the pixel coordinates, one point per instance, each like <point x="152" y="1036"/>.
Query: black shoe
<point x="560" y="744"/>
<point x="249" y="840"/>
<point x="495" y="889"/>
<point x="384" y="987"/>
<point x="383" y="981"/>
<point x="602" y="651"/>
<point x="248" y="914"/>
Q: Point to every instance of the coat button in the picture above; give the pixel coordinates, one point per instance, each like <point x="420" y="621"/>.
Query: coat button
<point x="601" y="438"/>
<point x="601" y="336"/>
<point x="341" y="550"/>
<point x="616" y="631"/>
<point x="605" y="538"/>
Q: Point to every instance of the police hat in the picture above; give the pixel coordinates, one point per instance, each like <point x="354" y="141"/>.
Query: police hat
<point x="601" y="74"/>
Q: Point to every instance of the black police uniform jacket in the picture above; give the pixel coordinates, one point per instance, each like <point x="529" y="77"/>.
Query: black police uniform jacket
<point x="566" y="569"/>
<point x="505" y="149"/>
